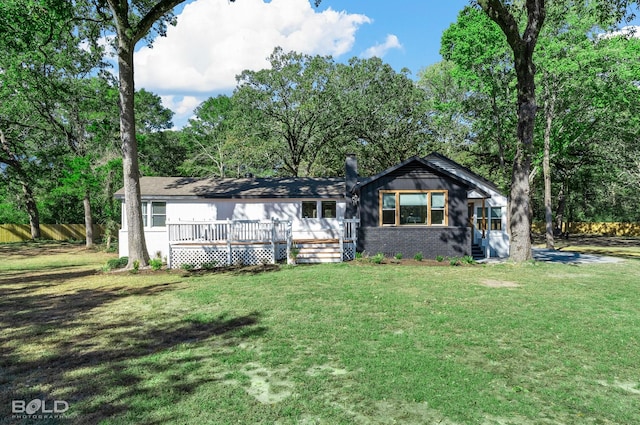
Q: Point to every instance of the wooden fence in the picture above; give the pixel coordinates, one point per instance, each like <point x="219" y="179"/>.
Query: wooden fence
<point x="608" y="229"/>
<point x="57" y="232"/>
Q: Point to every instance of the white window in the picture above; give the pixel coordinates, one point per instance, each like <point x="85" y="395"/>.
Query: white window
<point x="156" y="215"/>
<point x="319" y="209"/>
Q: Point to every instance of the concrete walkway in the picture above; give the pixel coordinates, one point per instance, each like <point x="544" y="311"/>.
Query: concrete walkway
<point x="571" y="257"/>
<point x="563" y="257"/>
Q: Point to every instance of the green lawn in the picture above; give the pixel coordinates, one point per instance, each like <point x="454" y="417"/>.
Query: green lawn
<point x="351" y="343"/>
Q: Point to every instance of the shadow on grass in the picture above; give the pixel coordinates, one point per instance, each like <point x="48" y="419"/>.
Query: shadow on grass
<point x="29" y="248"/>
<point x="236" y="270"/>
<point x="58" y="347"/>
<point x="26" y="278"/>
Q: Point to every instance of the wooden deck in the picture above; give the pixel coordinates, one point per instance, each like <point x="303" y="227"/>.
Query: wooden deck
<point x="253" y="242"/>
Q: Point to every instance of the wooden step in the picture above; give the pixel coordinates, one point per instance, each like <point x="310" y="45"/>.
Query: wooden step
<point x="318" y="253"/>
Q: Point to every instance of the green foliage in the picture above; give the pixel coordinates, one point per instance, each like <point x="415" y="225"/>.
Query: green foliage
<point x="116" y="263"/>
<point x="398" y="256"/>
<point x="155" y="263"/>
<point x="468" y="259"/>
<point x="359" y="256"/>
<point x="418" y="257"/>
<point x="12" y="214"/>
<point x="454" y="261"/>
<point x="377" y="259"/>
<point x="187" y="267"/>
<point x="209" y="265"/>
<point x="136" y="266"/>
<point x="439" y="258"/>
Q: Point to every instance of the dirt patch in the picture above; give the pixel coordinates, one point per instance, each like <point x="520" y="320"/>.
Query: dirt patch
<point x="630" y="387"/>
<point x="328" y="369"/>
<point x="267" y="385"/>
<point x="490" y="283"/>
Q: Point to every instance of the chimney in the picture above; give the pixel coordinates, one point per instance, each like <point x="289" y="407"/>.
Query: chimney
<point x="351" y="173"/>
<point x="351" y="179"/>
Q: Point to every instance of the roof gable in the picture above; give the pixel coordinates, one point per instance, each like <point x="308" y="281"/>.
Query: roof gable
<point x="441" y="165"/>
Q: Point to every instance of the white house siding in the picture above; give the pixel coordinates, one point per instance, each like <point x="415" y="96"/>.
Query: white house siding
<point x="157" y="242"/>
<point x="246" y="209"/>
<point x="497" y="241"/>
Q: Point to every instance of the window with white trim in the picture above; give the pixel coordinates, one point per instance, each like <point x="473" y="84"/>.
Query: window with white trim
<point x="493" y="215"/>
<point x="319" y="209"/>
<point x="156" y="215"/>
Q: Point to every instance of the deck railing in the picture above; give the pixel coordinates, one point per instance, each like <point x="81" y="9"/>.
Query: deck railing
<point x="235" y="236"/>
<point x="350" y="229"/>
<point x="229" y="231"/>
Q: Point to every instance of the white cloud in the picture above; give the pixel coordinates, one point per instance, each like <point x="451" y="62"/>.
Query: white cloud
<point x="631" y="31"/>
<point x="379" y="50"/>
<point x="215" y="40"/>
<point x="182" y="107"/>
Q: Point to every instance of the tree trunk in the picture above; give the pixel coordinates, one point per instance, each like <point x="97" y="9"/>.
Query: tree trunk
<point x="523" y="46"/>
<point x="133" y="204"/>
<point x="549" y="104"/>
<point x="88" y="220"/>
<point x="520" y="187"/>
<point x="30" y="202"/>
<point x="562" y="204"/>
<point x="32" y="210"/>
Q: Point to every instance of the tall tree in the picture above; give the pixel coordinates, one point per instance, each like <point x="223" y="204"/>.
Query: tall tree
<point x="446" y="96"/>
<point x="383" y="112"/>
<point x="288" y="106"/>
<point x="523" y="46"/>
<point x="213" y="148"/>
<point x="40" y="44"/>
<point x="133" y="20"/>
<point x="484" y="67"/>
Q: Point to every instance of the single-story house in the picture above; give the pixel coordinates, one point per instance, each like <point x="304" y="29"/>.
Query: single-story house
<point x="430" y="205"/>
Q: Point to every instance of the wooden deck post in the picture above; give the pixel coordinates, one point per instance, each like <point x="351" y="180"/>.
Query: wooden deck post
<point x="274" y="222"/>
<point x="342" y="231"/>
<point x="229" y="235"/>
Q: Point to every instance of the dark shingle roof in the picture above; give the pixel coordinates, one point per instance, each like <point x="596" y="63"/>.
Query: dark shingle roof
<point x="288" y="187"/>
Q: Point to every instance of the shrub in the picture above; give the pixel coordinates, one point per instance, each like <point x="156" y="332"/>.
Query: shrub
<point x="156" y="264"/>
<point x="136" y="266"/>
<point x="454" y="261"/>
<point x="467" y="259"/>
<point x="439" y="258"/>
<point x="209" y="266"/>
<point x="359" y="256"/>
<point x="398" y="256"/>
<point x="377" y="259"/>
<point x="418" y="256"/>
<point x="187" y="267"/>
<point x="116" y="263"/>
<point x="293" y="252"/>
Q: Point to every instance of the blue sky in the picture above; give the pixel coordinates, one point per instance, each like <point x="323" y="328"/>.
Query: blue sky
<point x="215" y="40"/>
<point x="417" y="24"/>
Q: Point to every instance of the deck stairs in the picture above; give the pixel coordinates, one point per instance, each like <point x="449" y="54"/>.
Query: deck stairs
<point x="318" y="252"/>
<point x="477" y="252"/>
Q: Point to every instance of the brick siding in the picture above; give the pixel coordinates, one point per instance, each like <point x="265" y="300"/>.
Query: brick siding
<point x="409" y="240"/>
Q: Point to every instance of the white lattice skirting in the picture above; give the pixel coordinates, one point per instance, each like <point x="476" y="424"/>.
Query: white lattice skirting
<point x="349" y="252"/>
<point x="219" y="256"/>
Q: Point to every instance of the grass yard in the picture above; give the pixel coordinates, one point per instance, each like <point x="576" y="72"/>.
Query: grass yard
<point x="351" y="343"/>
